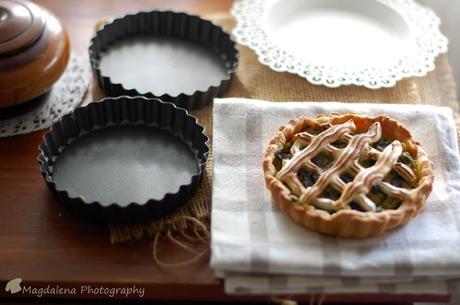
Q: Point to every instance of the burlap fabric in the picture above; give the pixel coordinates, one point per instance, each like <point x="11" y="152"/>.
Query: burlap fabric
<point x="254" y="80"/>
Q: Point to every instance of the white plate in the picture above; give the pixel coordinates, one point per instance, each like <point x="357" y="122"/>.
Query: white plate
<point x="371" y="43"/>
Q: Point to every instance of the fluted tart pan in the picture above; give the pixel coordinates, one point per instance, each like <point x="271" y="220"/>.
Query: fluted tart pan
<point x="124" y="160"/>
<point x="176" y="57"/>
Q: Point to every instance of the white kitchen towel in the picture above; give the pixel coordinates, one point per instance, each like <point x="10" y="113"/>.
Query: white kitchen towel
<point x="250" y="235"/>
<point x="240" y="283"/>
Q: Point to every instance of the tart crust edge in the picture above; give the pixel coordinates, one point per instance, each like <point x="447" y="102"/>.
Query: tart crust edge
<point x="349" y="223"/>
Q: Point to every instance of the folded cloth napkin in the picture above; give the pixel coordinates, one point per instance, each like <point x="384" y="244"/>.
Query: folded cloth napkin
<point x="258" y="249"/>
<point x="291" y="284"/>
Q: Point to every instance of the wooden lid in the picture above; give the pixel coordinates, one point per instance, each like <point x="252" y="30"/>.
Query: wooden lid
<point x="34" y="51"/>
<point x="21" y="24"/>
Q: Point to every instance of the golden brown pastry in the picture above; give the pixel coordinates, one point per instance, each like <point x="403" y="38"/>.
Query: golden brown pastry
<point x="347" y="175"/>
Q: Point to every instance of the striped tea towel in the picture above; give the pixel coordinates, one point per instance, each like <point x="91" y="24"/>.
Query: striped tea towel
<point x="251" y="236"/>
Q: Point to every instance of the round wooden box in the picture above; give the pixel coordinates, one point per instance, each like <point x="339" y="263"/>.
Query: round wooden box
<point x="34" y="51"/>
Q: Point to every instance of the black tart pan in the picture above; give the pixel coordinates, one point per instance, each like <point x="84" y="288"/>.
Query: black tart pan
<point x="176" y="57"/>
<point x="124" y="160"/>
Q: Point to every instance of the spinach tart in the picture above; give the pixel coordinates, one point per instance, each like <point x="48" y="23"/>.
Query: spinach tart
<point x="348" y="175"/>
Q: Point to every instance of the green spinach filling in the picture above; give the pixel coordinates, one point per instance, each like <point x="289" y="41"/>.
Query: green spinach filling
<point x="323" y="161"/>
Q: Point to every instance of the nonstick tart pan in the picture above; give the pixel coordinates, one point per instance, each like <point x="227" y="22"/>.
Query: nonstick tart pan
<point x="124" y="160"/>
<point x="176" y="57"/>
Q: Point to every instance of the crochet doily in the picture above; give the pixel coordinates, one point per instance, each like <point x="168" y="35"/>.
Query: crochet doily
<point x="66" y="94"/>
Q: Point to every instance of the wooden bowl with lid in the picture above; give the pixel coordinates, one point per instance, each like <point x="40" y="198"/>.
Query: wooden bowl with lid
<point x="34" y="51"/>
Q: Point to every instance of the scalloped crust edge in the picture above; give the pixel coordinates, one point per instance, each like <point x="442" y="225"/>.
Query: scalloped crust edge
<point x="349" y="223"/>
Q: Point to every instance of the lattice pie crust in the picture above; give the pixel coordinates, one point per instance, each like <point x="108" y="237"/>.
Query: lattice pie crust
<point x="347" y="175"/>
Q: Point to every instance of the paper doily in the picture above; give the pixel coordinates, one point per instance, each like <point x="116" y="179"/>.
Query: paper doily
<point x="252" y="30"/>
<point x="66" y="94"/>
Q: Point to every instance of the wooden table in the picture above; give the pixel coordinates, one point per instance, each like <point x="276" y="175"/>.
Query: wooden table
<point x="44" y="245"/>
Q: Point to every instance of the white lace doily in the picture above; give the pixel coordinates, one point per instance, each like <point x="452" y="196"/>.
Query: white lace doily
<point x="253" y="30"/>
<point x="66" y="94"/>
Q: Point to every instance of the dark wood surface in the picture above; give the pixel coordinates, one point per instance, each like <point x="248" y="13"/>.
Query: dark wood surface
<point x="44" y="245"/>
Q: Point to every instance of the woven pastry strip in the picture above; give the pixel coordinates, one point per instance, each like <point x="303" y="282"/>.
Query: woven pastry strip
<point x="345" y="160"/>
